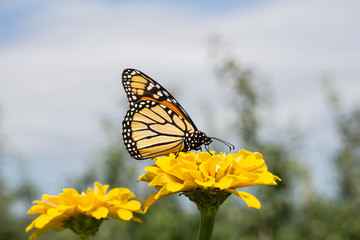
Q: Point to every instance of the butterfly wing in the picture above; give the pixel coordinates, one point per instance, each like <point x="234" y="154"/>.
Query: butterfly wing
<point x="155" y="124"/>
<point x="139" y="87"/>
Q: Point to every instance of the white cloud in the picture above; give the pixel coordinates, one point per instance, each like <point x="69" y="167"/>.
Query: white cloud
<point x="65" y="72"/>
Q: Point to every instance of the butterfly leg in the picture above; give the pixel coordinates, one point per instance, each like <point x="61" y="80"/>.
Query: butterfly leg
<point x="207" y="149"/>
<point x="177" y="153"/>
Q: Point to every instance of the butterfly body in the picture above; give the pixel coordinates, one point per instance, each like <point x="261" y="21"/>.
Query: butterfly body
<point x="156" y="124"/>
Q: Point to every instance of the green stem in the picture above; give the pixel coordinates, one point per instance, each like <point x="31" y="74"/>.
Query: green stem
<point x="208" y="215"/>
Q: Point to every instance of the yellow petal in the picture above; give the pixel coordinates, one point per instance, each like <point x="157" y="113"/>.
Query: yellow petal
<point x="53" y="199"/>
<point x="40" y="208"/>
<point x="224" y="183"/>
<point x="151" y="200"/>
<point x="136" y="219"/>
<point x="267" y="178"/>
<point x="42" y="220"/>
<point x="30" y="226"/>
<point x="176" y="171"/>
<point x="165" y="163"/>
<point x="174" y="187"/>
<point x="189" y="185"/>
<point x="101" y="212"/>
<point x="53" y="212"/>
<point x="206" y="184"/>
<point x="187" y="156"/>
<point x="192" y="175"/>
<point x="250" y="200"/>
<point x="203" y="156"/>
<point x="132" y="205"/>
<point x="160" y="180"/>
<point x="55" y="226"/>
<point x="163" y="192"/>
<point x="208" y="168"/>
<point x="100" y="189"/>
<point x="125" y="214"/>
<point x="84" y="207"/>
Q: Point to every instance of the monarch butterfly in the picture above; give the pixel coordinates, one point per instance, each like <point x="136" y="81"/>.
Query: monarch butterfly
<point x="156" y="124"/>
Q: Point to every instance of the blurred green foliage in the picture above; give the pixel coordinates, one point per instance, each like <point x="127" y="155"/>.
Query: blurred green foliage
<point x="290" y="210"/>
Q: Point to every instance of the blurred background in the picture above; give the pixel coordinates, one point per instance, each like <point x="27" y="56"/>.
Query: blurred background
<point x="277" y="77"/>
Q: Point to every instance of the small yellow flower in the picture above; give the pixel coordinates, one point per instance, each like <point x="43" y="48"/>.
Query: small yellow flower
<point x="208" y="175"/>
<point x="82" y="213"/>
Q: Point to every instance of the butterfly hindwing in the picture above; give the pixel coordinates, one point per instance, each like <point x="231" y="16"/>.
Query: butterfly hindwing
<point x="151" y="129"/>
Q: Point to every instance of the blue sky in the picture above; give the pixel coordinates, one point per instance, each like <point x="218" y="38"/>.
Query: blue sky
<point x="61" y="63"/>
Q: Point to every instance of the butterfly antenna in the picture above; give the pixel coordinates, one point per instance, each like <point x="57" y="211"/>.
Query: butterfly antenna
<point x="229" y="145"/>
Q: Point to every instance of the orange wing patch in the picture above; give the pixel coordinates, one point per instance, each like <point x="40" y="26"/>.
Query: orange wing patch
<point x="170" y="105"/>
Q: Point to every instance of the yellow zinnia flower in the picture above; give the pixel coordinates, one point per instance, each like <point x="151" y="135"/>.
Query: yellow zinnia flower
<point x="208" y="179"/>
<point x="82" y="213"/>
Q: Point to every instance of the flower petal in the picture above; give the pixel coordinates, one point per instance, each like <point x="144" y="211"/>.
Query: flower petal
<point x="250" y="200"/>
<point x="132" y="205"/>
<point x="99" y="213"/>
<point x="42" y="220"/>
<point x="125" y="214"/>
<point x="150" y="201"/>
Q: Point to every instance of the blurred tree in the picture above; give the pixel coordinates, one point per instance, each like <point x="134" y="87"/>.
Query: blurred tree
<point x="12" y="223"/>
<point x="347" y="158"/>
<point x="347" y="163"/>
<point x="339" y="217"/>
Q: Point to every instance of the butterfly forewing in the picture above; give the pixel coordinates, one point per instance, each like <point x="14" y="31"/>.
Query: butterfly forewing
<point x="140" y="87"/>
